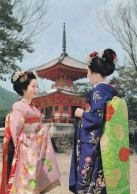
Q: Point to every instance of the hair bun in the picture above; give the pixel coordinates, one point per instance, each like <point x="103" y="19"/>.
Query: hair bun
<point x="109" y="55"/>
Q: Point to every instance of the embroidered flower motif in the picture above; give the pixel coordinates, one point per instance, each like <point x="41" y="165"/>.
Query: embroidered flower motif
<point x="44" y="161"/>
<point x="32" y="184"/>
<point x="96" y="96"/>
<point x="47" y="148"/>
<point x="92" y="138"/>
<point x="39" y="139"/>
<point x="25" y="170"/>
<point x="83" y="171"/>
<point x="113" y="179"/>
<point x="32" y="157"/>
<point x="48" y="163"/>
<point x="14" y="189"/>
<point x="98" y="180"/>
<point x="88" y="159"/>
<point x="124" y="154"/>
<point x="118" y="131"/>
<point x="109" y="112"/>
<point x="23" y="180"/>
<point x="104" y="142"/>
<point x="32" y="169"/>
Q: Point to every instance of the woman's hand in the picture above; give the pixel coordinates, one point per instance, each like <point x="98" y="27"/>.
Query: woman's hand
<point x="78" y="112"/>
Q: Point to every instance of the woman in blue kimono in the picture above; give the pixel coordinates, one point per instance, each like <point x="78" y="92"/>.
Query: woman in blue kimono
<point x="86" y="172"/>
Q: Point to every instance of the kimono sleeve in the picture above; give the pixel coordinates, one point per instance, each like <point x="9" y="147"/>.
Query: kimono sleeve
<point x="94" y="117"/>
<point x="17" y="120"/>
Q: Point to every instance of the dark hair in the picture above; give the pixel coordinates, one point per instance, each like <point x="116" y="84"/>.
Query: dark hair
<point x="105" y="65"/>
<point x="22" y="81"/>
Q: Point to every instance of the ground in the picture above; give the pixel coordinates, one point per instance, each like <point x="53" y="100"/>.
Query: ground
<point x="64" y="166"/>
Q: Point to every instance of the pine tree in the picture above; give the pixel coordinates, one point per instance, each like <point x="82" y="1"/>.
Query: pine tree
<point x="20" y="21"/>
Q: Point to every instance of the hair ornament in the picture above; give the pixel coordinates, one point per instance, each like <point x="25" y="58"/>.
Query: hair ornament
<point x="18" y="74"/>
<point x="88" y="59"/>
<point x="94" y="54"/>
<point x="114" y="58"/>
<point x="99" y="54"/>
<point x="25" y="75"/>
<point x="35" y="73"/>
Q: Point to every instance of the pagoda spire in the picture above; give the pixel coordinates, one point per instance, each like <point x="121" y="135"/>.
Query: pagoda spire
<point x="64" y="41"/>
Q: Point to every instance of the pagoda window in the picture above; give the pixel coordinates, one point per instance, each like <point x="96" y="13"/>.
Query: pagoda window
<point x="56" y="108"/>
<point x="65" y="108"/>
<point x="42" y="110"/>
<point x="48" y="112"/>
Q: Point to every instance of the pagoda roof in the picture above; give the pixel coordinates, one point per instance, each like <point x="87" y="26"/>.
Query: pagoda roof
<point x="63" y="65"/>
<point x="65" y="60"/>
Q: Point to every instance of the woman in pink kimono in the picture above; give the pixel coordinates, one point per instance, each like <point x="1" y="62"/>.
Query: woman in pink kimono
<point x="29" y="163"/>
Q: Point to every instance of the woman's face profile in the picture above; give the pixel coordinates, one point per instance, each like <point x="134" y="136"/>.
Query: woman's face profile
<point x="32" y="89"/>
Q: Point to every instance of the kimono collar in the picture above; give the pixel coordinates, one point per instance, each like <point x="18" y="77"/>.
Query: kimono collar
<point x="107" y="89"/>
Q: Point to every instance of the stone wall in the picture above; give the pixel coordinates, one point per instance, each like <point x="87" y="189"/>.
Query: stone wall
<point x="63" y="143"/>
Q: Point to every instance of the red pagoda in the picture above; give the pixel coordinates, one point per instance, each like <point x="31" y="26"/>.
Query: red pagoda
<point x="58" y="104"/>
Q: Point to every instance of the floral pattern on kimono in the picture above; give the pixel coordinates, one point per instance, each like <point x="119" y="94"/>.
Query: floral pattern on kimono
<point x="86" y="172"/>
<point x="34" y="166"/>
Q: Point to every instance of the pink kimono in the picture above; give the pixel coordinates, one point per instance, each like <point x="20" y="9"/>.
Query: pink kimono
<point x="34" y="167"/>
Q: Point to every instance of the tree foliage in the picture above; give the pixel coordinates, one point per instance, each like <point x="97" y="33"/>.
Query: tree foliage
<point x="19" y="23"/>
<point x="83" y="88"/>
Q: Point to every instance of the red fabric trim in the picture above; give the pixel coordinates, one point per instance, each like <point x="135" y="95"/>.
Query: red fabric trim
<point x="111" y="86"/>
<point x="7" y="135"/>
<point x="13" y="168"/>
<point x="32" y="120"/>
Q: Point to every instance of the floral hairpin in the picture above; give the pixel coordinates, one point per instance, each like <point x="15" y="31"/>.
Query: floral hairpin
<point x="99" y="54"/>
<point x="88" y="59"/>
<point x="19" y="74"/>
<point x="35" y="73"/>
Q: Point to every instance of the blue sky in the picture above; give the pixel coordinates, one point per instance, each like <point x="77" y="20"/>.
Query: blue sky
<point x="84" y="34"/>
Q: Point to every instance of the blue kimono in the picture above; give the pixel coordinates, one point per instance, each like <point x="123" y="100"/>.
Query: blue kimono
<point x="86" y="172"/>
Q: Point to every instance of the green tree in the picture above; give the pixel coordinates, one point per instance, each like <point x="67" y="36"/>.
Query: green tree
<point x="19" y="23"/>
<point x="83" y="89"/>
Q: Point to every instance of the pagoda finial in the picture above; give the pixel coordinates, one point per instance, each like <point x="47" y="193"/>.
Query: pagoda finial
<point x="64" y="41"/>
